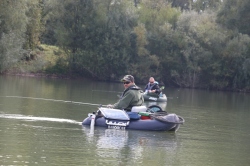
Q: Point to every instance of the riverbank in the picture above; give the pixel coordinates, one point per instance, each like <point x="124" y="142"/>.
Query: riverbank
<point x="52" y="62"/>
<point x="70" y="76"/>
<point x="44" y="61"/>
<point x="39" y="75"/>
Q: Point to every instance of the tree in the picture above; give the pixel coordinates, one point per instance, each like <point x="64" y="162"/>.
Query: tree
<point x="13" y="23"/>
<point x="35" y="25"/>
<point x="204" y="42"/>
<point x="95" y="33"/>
<point x="158" y="20"/>
<point x="235" y="15"/>
<point x="202" y="5"/>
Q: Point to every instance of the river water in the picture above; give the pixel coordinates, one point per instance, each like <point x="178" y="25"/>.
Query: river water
<point x="40" y="124"/>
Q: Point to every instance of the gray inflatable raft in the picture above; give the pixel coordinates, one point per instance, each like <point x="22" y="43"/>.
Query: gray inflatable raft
<point x="114" y="118"/>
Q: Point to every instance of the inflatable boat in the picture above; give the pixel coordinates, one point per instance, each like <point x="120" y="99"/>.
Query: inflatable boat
<point x="154" y="97"/>
<point x="140" y="118"/>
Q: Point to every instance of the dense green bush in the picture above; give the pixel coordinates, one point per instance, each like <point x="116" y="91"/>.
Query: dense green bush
<point x="194" y="44"/>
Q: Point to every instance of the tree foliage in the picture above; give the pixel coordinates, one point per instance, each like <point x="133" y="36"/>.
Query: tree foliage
<point x="13" y="23"/>
<point x="235" y="15"/>
<point x="35" y="25"/>
<point x="95" y="33"/>
<point x="195" y="44"/>
<point x="214" y="55"/>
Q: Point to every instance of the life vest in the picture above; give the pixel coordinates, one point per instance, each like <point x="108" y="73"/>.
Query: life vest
<point x="140" y="100"/>
<point x="150" y="86"/>
<point x="134" y="87"/>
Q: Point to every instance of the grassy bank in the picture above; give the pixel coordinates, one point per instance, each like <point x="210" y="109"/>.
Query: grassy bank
<point x="46" y="61"/>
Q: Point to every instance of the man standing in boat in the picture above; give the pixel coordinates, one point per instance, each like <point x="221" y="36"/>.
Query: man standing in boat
<point x="152" y="88"/>
<point x="131" y="96"/>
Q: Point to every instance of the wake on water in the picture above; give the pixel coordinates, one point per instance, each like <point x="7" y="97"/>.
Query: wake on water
<point x="32" y="118"/>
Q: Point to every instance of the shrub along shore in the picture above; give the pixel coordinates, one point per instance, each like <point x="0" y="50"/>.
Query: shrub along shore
<point x="192" y="44"/>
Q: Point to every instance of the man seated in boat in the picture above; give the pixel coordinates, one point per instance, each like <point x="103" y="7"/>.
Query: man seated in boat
<point x="131" y="96"/>
<point x="152" y="88"/>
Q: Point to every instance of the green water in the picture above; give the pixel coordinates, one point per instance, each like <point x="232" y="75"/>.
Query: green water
<point x="39" y="126"/>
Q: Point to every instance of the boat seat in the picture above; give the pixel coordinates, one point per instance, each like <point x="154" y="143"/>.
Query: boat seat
<point x="139" y="108"/>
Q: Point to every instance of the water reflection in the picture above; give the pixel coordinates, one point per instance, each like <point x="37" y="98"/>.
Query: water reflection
<point x="114" y="143"/>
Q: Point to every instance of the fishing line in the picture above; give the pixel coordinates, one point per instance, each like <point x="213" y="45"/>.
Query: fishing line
<point x="65" y="101"/>
<point x="106" y="91"/>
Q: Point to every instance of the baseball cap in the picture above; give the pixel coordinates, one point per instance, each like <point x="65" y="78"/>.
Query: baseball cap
<point x="129" y="78"/>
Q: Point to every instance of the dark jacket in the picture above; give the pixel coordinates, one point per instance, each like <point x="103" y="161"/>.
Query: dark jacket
<point x="132" y="96"/>
<point x="154" y="86"/>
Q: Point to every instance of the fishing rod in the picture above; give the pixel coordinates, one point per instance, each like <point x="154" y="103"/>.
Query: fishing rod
<point x="65" y="101"/>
